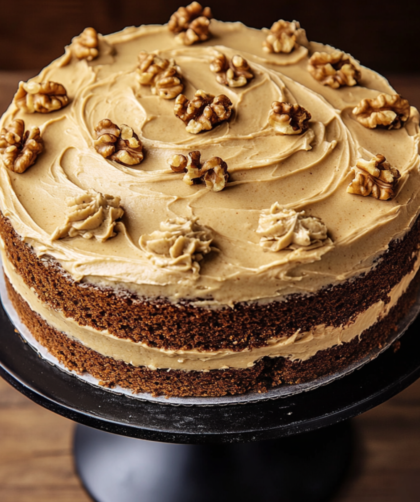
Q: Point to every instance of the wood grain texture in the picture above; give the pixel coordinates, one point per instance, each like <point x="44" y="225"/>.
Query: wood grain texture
<point x="36" y="463"/>
<point x="381" y="33"/>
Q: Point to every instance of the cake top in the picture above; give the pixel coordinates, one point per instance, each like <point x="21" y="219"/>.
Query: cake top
<point x="224" y="170"/>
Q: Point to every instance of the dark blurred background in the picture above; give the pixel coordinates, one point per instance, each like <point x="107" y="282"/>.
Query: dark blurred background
<point x="383" y="34"/>
<point x="36" y="463"/>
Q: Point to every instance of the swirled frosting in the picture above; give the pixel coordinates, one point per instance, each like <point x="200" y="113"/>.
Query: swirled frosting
<point x="307" y="172"/>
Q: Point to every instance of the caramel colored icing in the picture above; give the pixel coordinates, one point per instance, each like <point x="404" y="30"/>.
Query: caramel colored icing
<point x="300" y="346"/>
<point x="307" y="172"/>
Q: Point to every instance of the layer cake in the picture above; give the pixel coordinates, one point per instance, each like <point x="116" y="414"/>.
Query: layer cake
<point x="206" y="209"/>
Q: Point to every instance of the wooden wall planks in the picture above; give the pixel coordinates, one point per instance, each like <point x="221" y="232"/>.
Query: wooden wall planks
<point x="381" y="34"/>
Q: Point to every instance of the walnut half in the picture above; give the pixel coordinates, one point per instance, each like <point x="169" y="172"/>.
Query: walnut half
<point x="169" y="85"/>
<point x="191" y="23"/>
<point x="387" y="111"/>
<point x="214" y="172"/>
<point x="375" y="178"/>
<point x="335" y="69"/>
<point x="119" y="144"/>
<point x="40" y="97"/>
<point x="233" y="73"/>
<point x="85" y="46"/>
<point x="282" y="37"/>
<point x="162" y="75"/>
<point x="203" y="112"/>
<point x="20" y="149"/>
<point x="288" y="119"/>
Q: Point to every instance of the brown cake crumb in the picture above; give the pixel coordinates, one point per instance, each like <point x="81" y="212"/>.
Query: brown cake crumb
<point x="159" y="323"/>
<point x="264" y="375"/>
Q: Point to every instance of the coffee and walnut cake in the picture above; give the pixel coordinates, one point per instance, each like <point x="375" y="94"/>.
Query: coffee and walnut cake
<point x="206" y="209"/>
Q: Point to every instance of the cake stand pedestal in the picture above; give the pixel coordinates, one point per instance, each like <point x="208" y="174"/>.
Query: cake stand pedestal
<point x="301" y="462"/>
<point x="302" y="468"/>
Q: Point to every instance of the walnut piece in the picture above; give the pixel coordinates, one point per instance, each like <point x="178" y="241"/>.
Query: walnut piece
<point x="162" y="75"/>
<point x="85" y="46"/>
<point x="214" y="172"/>
<point x="197" y="32"/>
<point x="19" y="149"/>
<point x="119" y="144"/>
<point x="150" y="66"/>
<point x="40" y="97"/>
<point x="192" y="169"/>
<point x="181" y="19"/>
<point x="191" y="23"/>
<point x="285" y="228"/>
<point x="282" y="37"/>
<point x="386" y="111"/>
<point x="178" y="163"/>
<point x="179" y="244"/>
<point x="288" y="119"/>
<point x="375" y="178"/>
<point x="169" y="85"/>
<point x="203" y="112"/>
<point x="233" y="73"/>
<point x="335" y="69"/>
<point x="91" y="214"/>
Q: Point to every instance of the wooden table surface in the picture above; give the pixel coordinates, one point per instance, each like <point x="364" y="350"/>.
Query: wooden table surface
<point x="36" y="463"/>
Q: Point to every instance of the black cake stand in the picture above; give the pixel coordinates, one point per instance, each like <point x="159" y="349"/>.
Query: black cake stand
<point x="218" y="455"/>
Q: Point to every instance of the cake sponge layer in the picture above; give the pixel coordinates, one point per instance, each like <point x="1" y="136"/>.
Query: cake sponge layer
<point x="169" y="326"/>
<point x="264" y="375"/>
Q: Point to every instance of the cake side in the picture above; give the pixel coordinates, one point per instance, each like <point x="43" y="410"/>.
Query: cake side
<point x="264" y="375"/>
<point x="300" y="346"/>
<point x="171" y="326"/>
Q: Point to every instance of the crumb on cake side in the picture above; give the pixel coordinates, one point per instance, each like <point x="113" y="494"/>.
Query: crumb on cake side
<point x="264" y="375"/>
<point x="161" y="324"/>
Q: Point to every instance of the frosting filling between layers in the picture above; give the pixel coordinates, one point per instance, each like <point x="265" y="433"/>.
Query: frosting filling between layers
<point x="308" y="172"/>
<point x="300" y="346"/>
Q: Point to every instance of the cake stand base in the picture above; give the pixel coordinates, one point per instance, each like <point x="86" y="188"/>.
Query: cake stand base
<point x="309" y="466"/>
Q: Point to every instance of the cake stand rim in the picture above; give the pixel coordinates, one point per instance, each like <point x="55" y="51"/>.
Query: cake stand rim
<point x="38" y="380"/>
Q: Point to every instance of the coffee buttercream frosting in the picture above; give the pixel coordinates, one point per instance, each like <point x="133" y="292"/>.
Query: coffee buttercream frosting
<point x="302" y="172"/>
